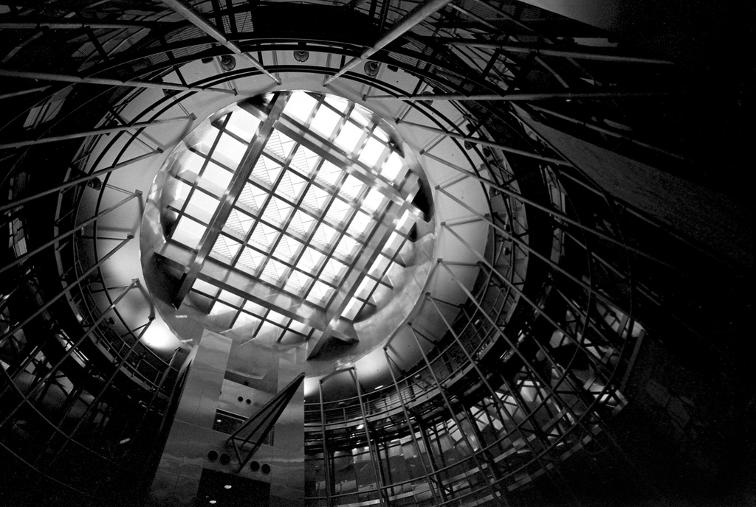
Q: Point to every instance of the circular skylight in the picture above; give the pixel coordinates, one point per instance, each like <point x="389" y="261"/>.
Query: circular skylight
<point x="289" y="217"/>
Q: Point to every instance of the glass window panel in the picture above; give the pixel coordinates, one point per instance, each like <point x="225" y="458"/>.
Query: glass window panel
<point x="276" y="318"/>
<point x="188" y="232"/>
<point x="255" y="309"/>
<point x="266" y="172"/>
<point x="319" y="293"/>
<point x="287" y="249"/>
<point x="339" y="212"/>
<point x="225" y="249"/>
<point x="202" y="141"/>
<point x="201" y="206"/>
<point x="404" y="224"/>
<point x="297" y="283"/>
<point x="372" y="151"/>
<point x="190" y="163"/>
<point x="249" y="260"/>
<point x="291" y="186"/>
<point x="231" y="298"/>
<point x="277" y="212"/>
<point x="252" y="197"/>
<point x="315" y="199"/>
<point x="207" y="288"/>
<point x="243" y="124"/>
<point x="361" y="115"/>
<point x="346" y="248"/>
<point x="366" y="285"/>
<point x="392" y="166"/>
<point x="238" y="223"/>
<point x="217" y="178"/>
<point x="246" y="321"/>
<point x="229" y="151"/>
<point x="180" y="191"/>
<point x="337" y="102"/>
<point x="324" y="235"/>
<point x="352" y="308"/>
<point x="300" y="106"/>
<point x="273" y="272"/>
<point x="392" y="244"/>
<point x="351" y="188"/>
<point x="329" y="173"/>
<point x="380" y="295"/>
<point x="381" y="134"/>
<point x="373" y="201"/>
<point x="325" y="121"/>
<point x="279" y="145"/>
<point x="379" y="264"/>
<point x="305" y="161"/>
<point x="348" y="137"/>
<point x="263" y="237"/>
<point x="222" y="309"/>
<point x="301" y="224"/>
<point x="360" y="225"/>
<point x="310" y="260"/>
<point x="333" y="271"/>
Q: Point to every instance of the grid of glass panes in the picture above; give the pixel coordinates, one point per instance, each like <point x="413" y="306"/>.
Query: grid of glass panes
<point x="300" y="221"/>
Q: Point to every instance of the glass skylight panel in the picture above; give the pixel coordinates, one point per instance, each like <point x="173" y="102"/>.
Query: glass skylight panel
<point x="252" y="197"/>
<point x="360" y="225"/>
<point x="392" y="167"/>
<point x="291" y="186"/>
<point x="304" y="161"/>
<point x="287" y="249"/>
<point x="333" y="271"/>
<point x="361" y="115"/>
<point x="243" y="124"/>
<point x="263" y="237"/>
<point x="277" y="212"/>
<point x="404" y="224"/>
<point x="222" y="309"/>
<point x="337" y="102"/>
<point x="380" y="294"/>
<point x="381" y="134"/>
<point x="315" y="199"/>
<point x="346" y="248"/>
<point x="379" y="264"/>
<point x="348" y="138"/>
<point x="225" y="249"/>
<point x="297" y="283"/>
<point x="238" y="223"/>
<point x="230" y="298"/>
<point x="392" y="244"/>
<point x="319" y="293"/>
<point x="217" y="177"/>
<point x="266" y="172"/>
<point x="363" y="290"/>
<point x="310" y="260"/>
<point x="279" y="145"/>
<point x="373" y="201"/>
<point x="351" y="188"/>
<point x="246" y="321"/>
<point x="352" y="308"/>
<point x="201" y="206"/>
<point x="180" y="192"/>
<point x="301" y="224"/>
<point x="204" y="287"/>
<point x="190" y="162"/>
<point x="229" y="151"/>
<point x="300" y="106"/>
<point x="324" y="235"/>
<point x="203" y="141"/>
<point x="188" y="232"/>
<point x="329" y="174"/>
<point x="273" y="272"/>
<point x="339" y="212"/>
<point x="325" y="122"/>
<point x="249" y="260"/>
<point x="276" y="318"/>
<point x="372" y="152"/>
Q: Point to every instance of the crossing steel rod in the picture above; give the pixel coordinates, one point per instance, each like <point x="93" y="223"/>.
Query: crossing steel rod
<point x="485" y="142"/>
<point x="133" y="83"/>
<point x="93" y="132"/>
<point x="408" y="23"/>
<point x="191" y="15"/>
<point x="521" y="96"/>
<point x="76" y="181"/>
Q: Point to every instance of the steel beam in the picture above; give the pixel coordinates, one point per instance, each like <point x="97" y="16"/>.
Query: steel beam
<point x="133" y="83"/>
<point x="93" y="132"/>
<point x="402" y="27"/>
<point x="191" y="15"/>
<point x="373" y="459"/>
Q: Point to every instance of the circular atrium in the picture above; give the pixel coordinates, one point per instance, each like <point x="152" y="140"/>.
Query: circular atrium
<point x="461" y="253"/>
